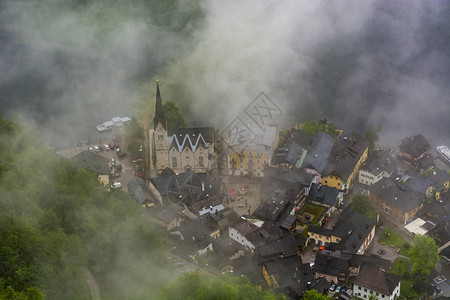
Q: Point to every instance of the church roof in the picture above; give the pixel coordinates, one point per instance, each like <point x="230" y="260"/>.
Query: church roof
<point x="192" y="138"/>
<point x="159" y="110"/>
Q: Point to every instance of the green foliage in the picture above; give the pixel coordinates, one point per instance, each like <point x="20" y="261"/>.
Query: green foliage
<point x="313" y="128"/>
<point x="282" y="136"/>
<point x="423" y="255"/>
<point x="428" y="172"/>
<point x="134" y="130"/>
<point x="314" y="295"/>
<point x="361" y="203"/>
<point x="372" y="137"/>
<point x="195" y="286"/>
<point x="174" y="117"/>
<point x="56" y="219"/>
<point x="399" y="267"/>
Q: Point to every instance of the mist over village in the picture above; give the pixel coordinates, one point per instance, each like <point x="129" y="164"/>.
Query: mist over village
<point x="224" y="149"/>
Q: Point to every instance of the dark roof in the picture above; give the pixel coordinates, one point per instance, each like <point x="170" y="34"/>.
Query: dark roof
<point x="138" y="189"/>
<point x="416" y="182"/>
<point x="346" y="154"/>
<point x="288" y="222"/>
<point x="160" y="117"/>
<point x="192" y="138"/>
<point x="370" y="260"/>
<point x="284" y="174"/>
<point x="319" y="230"/>
<point x="289" y="154"/>
<point x="225" y="218"/>
<point x="272" y="208"/>
<point x="322" y="194"/>
<point x="330" y="265"/>
<point x="379" y="161"/>
<point x="285" y="246"/>
<point x="197" y="230"/>
<point x="377" y="280"/>
<point x="166" y="213"/>
<point x="415" y="145"/>
<point x="438" y="178"/>
<point x="394" y="194"/>
<point x="426" y="162"/>
<point x="319" y="153"/>
<point x="244" y="227"/>
<point x="92" y="161"/>
<point x="353" y="228"/>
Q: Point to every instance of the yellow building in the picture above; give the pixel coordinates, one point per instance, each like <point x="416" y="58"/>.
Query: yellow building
<point x="349" y="153"/>
<point x="322" y="236"/>
<point x="251" y="158"/>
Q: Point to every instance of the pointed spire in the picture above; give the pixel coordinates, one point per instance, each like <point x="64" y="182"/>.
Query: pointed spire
<point x="159" y="110"/>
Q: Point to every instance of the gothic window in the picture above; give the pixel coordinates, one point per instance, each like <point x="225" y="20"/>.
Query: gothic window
<point x="200" y="161"/>
<point x="174" y="162"/>
<point x="160" y="136"/>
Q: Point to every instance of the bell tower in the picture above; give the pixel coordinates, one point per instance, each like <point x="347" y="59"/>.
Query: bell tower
<point x="160" y="138"/>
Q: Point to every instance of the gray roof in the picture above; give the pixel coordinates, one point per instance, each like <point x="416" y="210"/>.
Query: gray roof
<point x="191" y="138"/>
<point x="322" y="194"/>
<point x="377" y="280"/>
<point x="346" y="154"/>
<point x="284" y="247"/>
<point x="92" y="161"/>
<point x="395" y="194"/>
<point x="330" y="265"/>
<point x="319" y="153"/>
<point x="288" y="175"/>
<point x="353" y="228"/>
<point x="379" y="161"/>
<point x="136" y="188"/>
<point x="415" y="145"/>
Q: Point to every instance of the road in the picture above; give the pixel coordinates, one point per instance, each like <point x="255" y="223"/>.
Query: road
<point x="92" y="284"/>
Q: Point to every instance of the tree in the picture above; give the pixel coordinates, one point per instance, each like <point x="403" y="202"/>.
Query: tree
<point x="361" y="203"/>
<point x="423" y="256"/>
<point x="313" y="128"/>
<point x="174" y="117"/>
<point x="372" y="137"/>
<point x="195" y="286"/>
<point x="314" y="295"/>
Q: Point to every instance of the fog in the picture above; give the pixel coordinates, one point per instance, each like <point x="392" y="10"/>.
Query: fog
<point x="74" y="64"/>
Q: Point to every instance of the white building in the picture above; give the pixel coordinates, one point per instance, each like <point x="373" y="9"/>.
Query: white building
<point x="241" y="232"/>
<point x="380" y="164"/>
<point x="376" y="282"/>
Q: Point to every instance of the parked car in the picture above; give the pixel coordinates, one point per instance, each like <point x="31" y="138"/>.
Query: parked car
<point x="138" y="160"/>
<point x="344" y="289"/>
<point x="101" y="148"/>
<point x="116" y="184"/>
<point x="333" y="286"/>
<point x="232" y="196"/>
<point x="116" y="144"/>
<point x="91" y="149"/>
<point x="106" y="147"/>
<point x="338" y="288"/>
<point x="111" y="146"/>
<point x="96" y="149"/>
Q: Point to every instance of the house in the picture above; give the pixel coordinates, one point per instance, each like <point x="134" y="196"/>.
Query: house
<point x="92" y="161"/>
<point x="285" y="246"/>
<point x="169" y="216"/>
<point x="414" y="148"/>
<point x="333" y="269"/>
<point x="349" y="153"/>
<point x="196" y="191"/>
<point x="373" y="281"/>
<point x="435" y="181"/>
<point x="294" y="150"/>
<point x="197" y="237"/>
<point x="224" y="218"/>
<point x="245" y="233"/>
<point x="325" y="196"/>
<point x="252" y="157"/>
<point x="353" y="233"/>
<point x="318" y="154"/>
<point x="380" y="164"/>
<point x="440" y="181"/>
<point x="181" y="149"/>
<point x="289" y="275"/>
<point x="142" y="193"/>
<point x="395" y="199"/>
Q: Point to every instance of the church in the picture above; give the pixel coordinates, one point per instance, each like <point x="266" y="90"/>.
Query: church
<point x="181" y="149"/>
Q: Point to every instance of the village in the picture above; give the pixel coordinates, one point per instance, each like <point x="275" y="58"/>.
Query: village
<point x="309" y="207"/>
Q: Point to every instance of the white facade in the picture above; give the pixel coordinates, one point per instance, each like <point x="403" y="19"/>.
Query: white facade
<point x="238" y="237"/>
<point x="364" y="293"/>
<point x="367" y="241"/>
<point x="367" y="178"/>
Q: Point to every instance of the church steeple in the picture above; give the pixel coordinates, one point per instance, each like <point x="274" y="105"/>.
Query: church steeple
<point x="159" y="110"/>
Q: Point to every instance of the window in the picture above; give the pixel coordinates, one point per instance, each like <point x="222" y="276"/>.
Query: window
<point x="174" y="162"/>
<point x="241" y="160"/>
<point x="365" y="290"/>
<point x="200" y="161"/>
<point x="160" y="136"/>
<point x="359" y="288"/>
